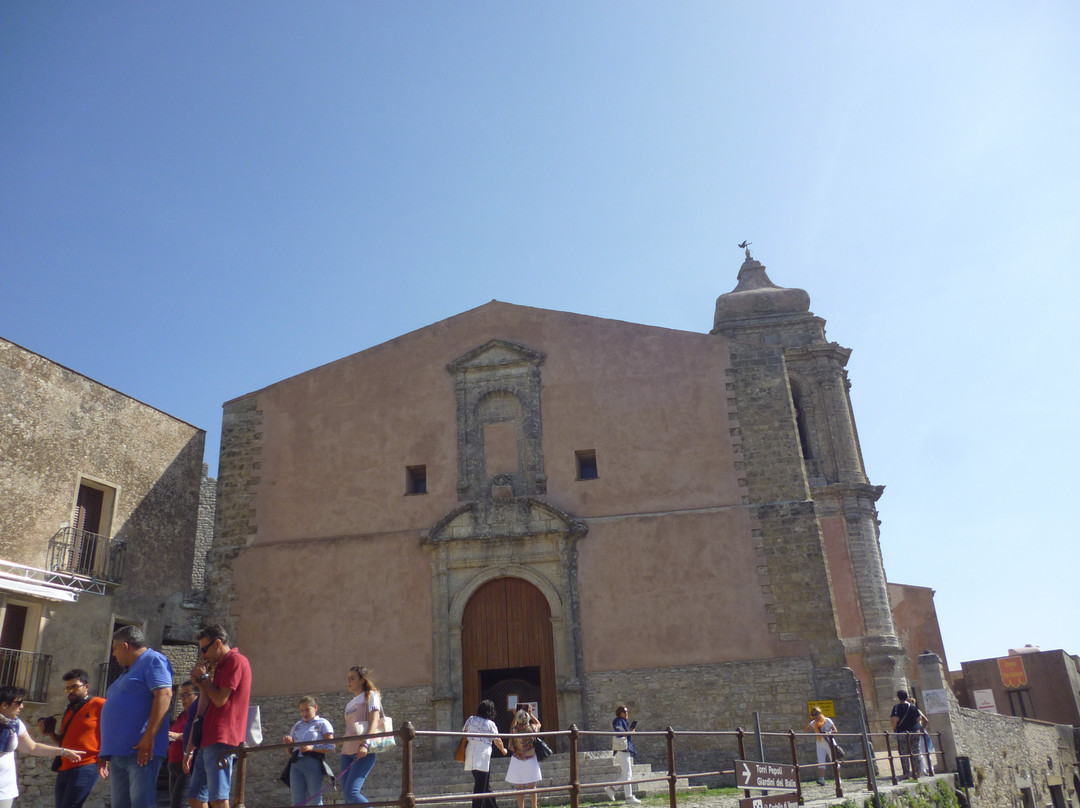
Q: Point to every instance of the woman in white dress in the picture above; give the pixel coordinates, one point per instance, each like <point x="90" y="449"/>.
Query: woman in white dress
<point x="524" y="770"/>
<point x="478" y="751"/>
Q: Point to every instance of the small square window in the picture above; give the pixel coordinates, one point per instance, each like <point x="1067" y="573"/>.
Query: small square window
<point x="416" y="479"/>
<point x="586" y="464"/>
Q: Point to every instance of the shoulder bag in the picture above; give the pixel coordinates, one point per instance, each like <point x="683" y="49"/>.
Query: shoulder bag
<point x="59" y="759"/>
<point x="385" y="724"/>
<point x="542" y="750"/>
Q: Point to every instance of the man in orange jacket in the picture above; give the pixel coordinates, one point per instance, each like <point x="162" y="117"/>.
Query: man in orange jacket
<point x="79" y="729"/>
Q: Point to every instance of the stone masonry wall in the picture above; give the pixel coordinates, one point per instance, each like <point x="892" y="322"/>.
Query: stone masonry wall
<point x="704" y="697"/>
<point x="204" y="533"/>
<point x="793" y="568"/>
<point x="1007" y="752"/>
<point x="238" y="469"/>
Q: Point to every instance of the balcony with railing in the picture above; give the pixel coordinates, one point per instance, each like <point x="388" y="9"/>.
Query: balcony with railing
<point x="80" y="552"/>
<point x="27" y="670"/>
<point x="108" y="672"/>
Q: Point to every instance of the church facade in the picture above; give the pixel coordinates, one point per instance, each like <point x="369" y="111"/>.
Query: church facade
<point x="532" y="505"/>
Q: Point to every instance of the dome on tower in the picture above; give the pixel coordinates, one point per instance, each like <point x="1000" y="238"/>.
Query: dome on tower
<point x="756" y="297"/>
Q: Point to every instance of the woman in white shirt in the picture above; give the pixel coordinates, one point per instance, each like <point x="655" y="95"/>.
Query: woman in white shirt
<point x="12" y="734"/>
<point x="478" y="751"/>
<point x="822" y="727"/>
<point x="361" y="714"/>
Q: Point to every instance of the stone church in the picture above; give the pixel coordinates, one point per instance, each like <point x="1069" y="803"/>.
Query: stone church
<point x="533" y="505"/>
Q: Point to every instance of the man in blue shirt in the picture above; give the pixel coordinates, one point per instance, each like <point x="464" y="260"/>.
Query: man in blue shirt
<point x="134" y="733"/>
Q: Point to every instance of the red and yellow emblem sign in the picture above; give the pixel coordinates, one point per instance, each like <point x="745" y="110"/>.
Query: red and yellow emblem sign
<point x="1012" y="671"/>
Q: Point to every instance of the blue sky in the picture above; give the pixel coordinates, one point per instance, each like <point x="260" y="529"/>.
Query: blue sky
<point x="200" y="199"/>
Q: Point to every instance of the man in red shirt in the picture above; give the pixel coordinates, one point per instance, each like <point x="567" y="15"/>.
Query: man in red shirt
<point x="223" y="704"/>
<point x="79" y="729"/>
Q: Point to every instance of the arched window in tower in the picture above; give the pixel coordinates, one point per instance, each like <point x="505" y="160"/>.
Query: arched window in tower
<point x="800" y="420"/>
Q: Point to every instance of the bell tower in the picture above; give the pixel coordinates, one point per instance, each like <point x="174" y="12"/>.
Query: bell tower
<point x="820" y="453"/>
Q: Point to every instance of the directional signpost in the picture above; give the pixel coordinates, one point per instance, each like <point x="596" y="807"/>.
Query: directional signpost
<point x="782" y="776"/>
<point x="751" y="774"/>
<point x="777" y="800"/>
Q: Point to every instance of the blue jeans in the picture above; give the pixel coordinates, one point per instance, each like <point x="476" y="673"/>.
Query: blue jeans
<point x="133" y="786"/>
<point x="73" y="786"/>
<point x="208" y="782"/>
<point x="354" y="775"/>
<point x="306" y="780"/>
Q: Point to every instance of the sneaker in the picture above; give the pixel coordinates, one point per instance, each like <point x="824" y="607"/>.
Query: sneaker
<point x="632" y="799"/>
<point x="821" y="781"/>
<point x="610" y="793"/>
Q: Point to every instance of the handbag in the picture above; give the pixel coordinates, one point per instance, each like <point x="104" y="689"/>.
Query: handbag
<point x="838" y="751"/>
<point x="254" y="726"/>
<point x="386" y="724"/>
<point x="619" y="743"/>
<point x="459" y="755"/>
<point x="542" y="750"/>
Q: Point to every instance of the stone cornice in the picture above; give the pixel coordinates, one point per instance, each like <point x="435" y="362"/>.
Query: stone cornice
<point x="838" y="492"/>
<point x="828" y="351"/>
<point x="496" y="353"/>
<point x="506" y="518"/>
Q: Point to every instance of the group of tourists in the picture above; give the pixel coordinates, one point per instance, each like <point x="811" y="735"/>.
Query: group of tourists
<point x="909" y="725"/>
<point x="522" y="745"/>
<point x="125" y="736"/>
<point x="308" y="769"/>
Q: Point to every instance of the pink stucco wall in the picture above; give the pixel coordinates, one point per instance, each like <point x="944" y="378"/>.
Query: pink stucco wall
<point x="667" y="572"/>
<point x="845" y="597"/>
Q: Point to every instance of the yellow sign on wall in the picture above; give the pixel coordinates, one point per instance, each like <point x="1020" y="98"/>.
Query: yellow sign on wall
<point x="1012" y="671"/>
<point x="827" y="707"/>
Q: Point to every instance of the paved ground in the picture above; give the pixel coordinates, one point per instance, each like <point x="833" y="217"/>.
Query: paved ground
<point x="816" y="796"/>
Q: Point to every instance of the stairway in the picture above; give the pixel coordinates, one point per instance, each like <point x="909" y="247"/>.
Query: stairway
<point x="443" y="777"/>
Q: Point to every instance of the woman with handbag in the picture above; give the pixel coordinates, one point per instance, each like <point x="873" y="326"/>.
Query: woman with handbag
<point x="822" y="727"/>
<point x="361" y="714"/>
<point x="478" y="751"/>
<point x="624" y="751"/>
<point x="524" y="770"/>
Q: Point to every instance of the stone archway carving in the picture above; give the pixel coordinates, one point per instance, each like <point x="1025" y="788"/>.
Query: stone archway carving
<point x="520" y="537"/>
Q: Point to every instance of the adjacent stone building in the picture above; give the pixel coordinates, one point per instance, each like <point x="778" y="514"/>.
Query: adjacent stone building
<point x="517" y="503"/>
<point x="99" y="505"/>
<point x="917" y="625"/>
<point x="1028" y="683"/>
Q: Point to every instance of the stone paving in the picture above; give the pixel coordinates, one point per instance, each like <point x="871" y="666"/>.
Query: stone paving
<point x="815" y="796"/>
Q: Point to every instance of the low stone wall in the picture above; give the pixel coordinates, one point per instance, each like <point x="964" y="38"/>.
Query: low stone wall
<point x="1009" y="754"/>
<point x="716" y="697"/>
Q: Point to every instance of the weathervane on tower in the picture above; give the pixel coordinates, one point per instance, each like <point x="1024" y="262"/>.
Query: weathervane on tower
<point x="746" y="246"/>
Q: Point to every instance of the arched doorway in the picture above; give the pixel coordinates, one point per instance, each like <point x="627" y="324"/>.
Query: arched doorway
<point x="507" y="650"/>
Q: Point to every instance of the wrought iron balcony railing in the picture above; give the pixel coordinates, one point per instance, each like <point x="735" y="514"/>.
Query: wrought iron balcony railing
<point x="108" y="672"/>
<point x="27" y="670"/>
<point x="80" y="552"/>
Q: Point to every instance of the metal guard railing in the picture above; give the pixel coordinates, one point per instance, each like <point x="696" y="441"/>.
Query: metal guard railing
<point x="28" y="670"/>
<point x="80" y="552"/>
<point x="407" y="734"/>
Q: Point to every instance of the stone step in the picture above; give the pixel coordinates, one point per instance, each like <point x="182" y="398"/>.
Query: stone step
<point x="445" y="777"/>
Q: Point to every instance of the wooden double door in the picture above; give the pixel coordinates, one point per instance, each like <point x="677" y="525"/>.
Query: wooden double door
<point x="507" y="651"/>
